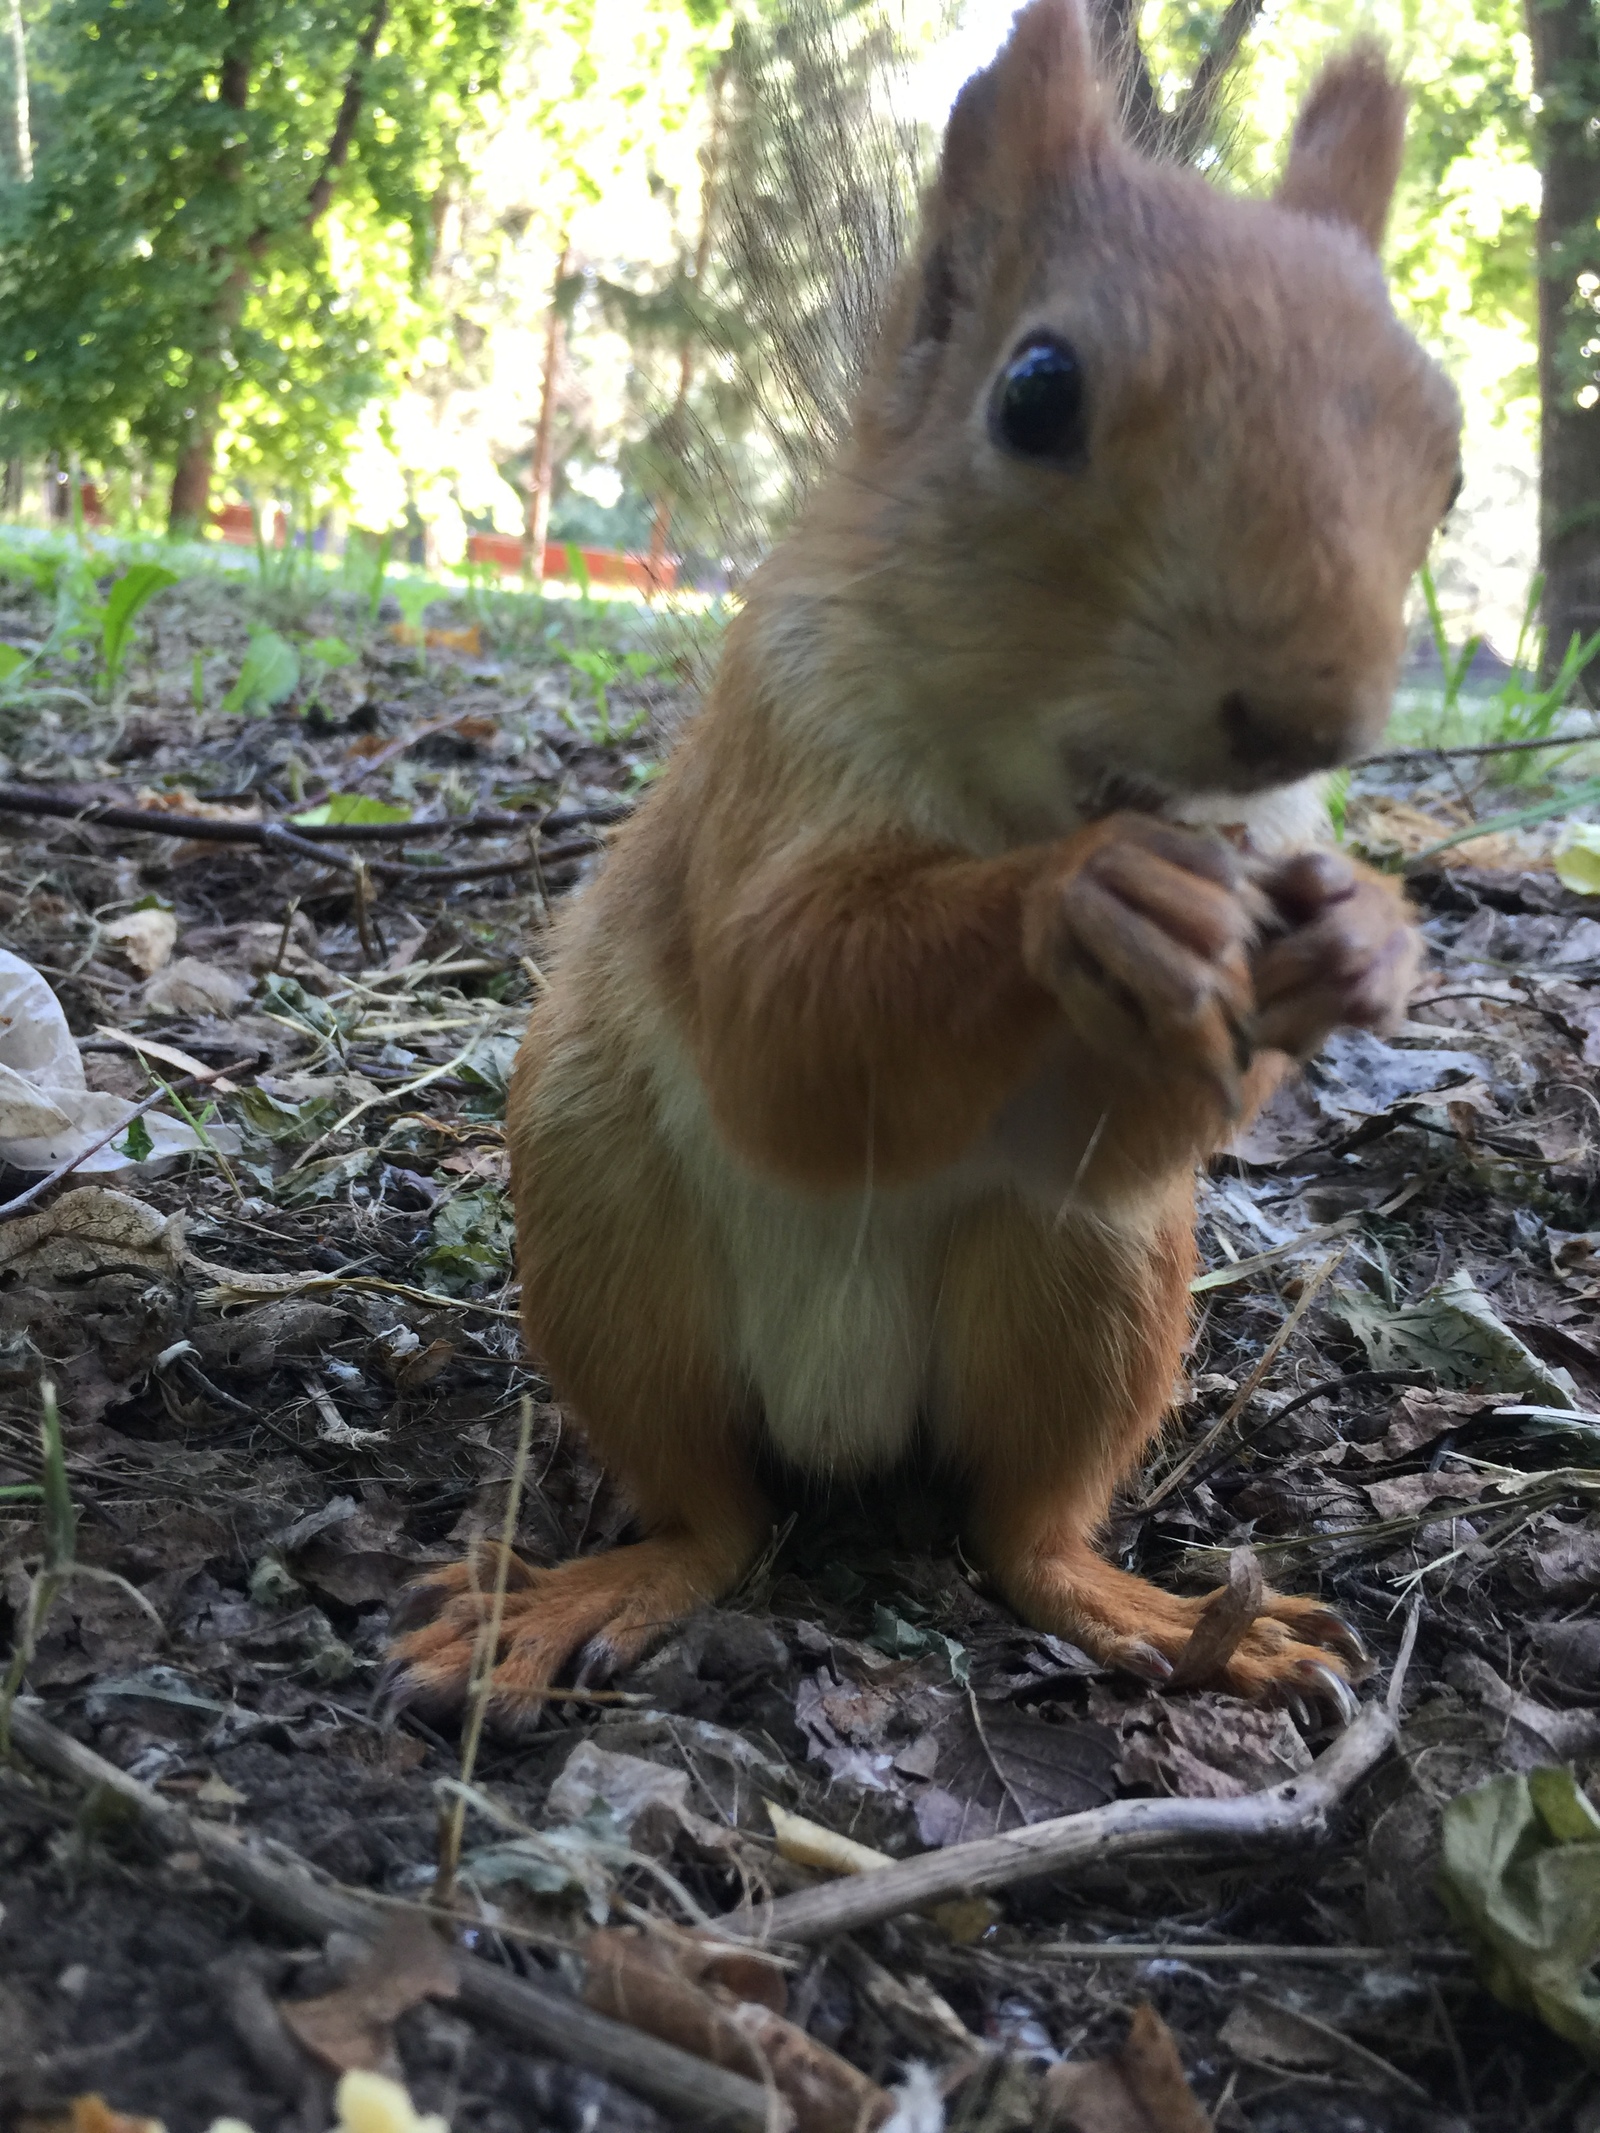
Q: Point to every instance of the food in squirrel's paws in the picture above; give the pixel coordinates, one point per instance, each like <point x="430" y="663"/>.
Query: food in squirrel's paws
<point x="865" y="1105"/>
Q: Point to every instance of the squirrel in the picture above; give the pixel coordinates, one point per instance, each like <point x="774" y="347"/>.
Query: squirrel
<point x="864" y="1110"/>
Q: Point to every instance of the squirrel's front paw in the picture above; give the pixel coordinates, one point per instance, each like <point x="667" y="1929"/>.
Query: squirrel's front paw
<point x="1345" y="952"/>
<point x="1145" y="941"/>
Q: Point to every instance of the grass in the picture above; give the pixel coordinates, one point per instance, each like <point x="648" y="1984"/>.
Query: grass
<point x="1458" y="712"/>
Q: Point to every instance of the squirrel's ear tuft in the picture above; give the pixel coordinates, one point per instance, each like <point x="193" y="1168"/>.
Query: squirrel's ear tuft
<point x="1344" y="159"/>
<point x="1018" y="124"/>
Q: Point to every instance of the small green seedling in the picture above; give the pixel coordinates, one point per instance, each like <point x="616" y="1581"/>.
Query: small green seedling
<point x="414" y="597"/>
<point x="603" y="670"/>
<point x="134" y="590"/>
<point x="346" y="807"/>
<point x="268" y="675"/>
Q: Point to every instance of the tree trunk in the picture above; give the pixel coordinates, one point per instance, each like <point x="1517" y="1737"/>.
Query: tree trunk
<point x="536" y="528"/>
<point x="190" y="504"/>
<point x="710" y="180"/>
<point x="1566" y="64"/>
<point x="19" y="76"/>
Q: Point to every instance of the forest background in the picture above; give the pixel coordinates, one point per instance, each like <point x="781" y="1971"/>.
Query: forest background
<point x="598" y="270"/>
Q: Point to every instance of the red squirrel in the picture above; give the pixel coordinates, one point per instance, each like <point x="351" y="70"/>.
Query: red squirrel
<point x="865" y="1106"/>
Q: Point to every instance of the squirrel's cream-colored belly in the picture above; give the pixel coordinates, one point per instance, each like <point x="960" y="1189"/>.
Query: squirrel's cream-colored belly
<point x="830" y="1300"/>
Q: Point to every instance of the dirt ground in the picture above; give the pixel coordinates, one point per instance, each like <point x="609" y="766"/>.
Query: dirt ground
<point x="261" y="1466"/>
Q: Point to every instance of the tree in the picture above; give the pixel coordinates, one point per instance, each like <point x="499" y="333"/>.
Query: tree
<point x="212" y="223"/>
<point x="1566" y="53"/>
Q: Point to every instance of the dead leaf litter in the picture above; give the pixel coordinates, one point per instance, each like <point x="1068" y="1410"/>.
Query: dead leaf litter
<point x="282" y="1330"/>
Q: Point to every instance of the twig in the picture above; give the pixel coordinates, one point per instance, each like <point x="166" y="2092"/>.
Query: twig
<point x="64" y="1170"/>
<point x="1303" y="1302"/>
<point x="1474" y="748"/>
<point x="1221" y="1624"/>
<point x="210" y="829"/>
<point x="284" y="1886"/>
<point x="235" y="1285"/>
<point x="485" y="1658"/>
<point x="1293" y="1813"/>
<point x="1227" y="1951"/>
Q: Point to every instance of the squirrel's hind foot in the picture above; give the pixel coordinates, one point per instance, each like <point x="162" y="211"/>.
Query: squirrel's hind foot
<point x="578" y="1624"/>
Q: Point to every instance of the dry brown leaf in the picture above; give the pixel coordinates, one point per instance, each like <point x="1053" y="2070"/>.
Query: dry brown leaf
<point x="1142" y="2090"/>
<point x="352" y="2028"/>
<point x="143" y="940"/>
<point x="1220" y="1624"/>
<point x="88" y="2114"/>
<point x="696" y="1997"/>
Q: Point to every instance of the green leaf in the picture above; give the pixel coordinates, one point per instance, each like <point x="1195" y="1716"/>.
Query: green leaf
<point x="274" y="1120"/>
<point x="414" y="597"/>
<point x="1452" y="1331"/>
<point x="901" y="1639"/>
<point x="329" y="652"/>
<point x="136" y="1143"/>
<point x="1577" y="859"/>
<point x="1520" y="1875"/>
<point x="10" y="660"/>
<point x="343" y="807"/>
<point x="470" y="1243"/>
<point x="132" y="591"/>
<point x="269" y="673"/>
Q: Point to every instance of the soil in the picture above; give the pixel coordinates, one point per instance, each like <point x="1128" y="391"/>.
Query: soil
<point x="257" y="1474"/>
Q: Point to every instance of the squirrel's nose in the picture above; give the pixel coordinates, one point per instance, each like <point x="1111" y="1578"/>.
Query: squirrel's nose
<point x="1276" y="744"/>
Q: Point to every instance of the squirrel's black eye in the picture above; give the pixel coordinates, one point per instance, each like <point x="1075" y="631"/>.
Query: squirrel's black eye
<point x="1037" y="411"/>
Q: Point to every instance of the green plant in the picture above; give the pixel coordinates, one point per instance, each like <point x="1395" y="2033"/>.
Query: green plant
<point x="134" y="590"/>
<point x="363" y="568"/>
<point x="414" y="596"/>
<point x="1519" y="709"/>
<point x="603" y="670"/>
<point x="268" y="675"/>
<point x="57" y="1564"/>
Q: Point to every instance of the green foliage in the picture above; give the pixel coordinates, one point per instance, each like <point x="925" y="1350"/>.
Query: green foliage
<point x="268" y="675"/>
<point x="603" y="670"/>
<point x="132" y="591"/>
<point x="352" y="807"/>
<point x="136" y="1143"/>
<point x="1520" y="1875"/>
<point x="470" y="1243"/>
<point x="175" y="255"/>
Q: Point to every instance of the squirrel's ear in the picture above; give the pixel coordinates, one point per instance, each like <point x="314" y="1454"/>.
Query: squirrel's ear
<point x="1344" y="159"/>
<point x="1019" y="123"/>
<point x="1015" y="129"/>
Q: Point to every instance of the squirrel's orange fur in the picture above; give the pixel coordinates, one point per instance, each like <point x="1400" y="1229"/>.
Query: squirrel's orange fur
<point x="879" y="1059"/>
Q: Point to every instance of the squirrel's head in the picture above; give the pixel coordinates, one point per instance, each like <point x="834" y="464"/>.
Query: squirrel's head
<point x="1143" y="470"/>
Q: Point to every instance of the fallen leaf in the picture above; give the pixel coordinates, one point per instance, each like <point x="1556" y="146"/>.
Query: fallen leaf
<point x="1520" y="1875"/>
<point x="353" y="2026"/>
<point x="648" y="1801"/>
<point x="1142" y="2090"/>
<point x="806" y="1843"/>
<point x="671" y="1990"/>
<point x="191" y="986"/>
<point x="1411" y="1493"/>
<point x="1204" y="1747"/>
<point x="88" y="2114"/>
<point x="86" y="1230"/>
<point x="143" y="940"/>
<point x="1453" y="1331"/>
<point x="999" y="1768"/>
<point x="1577" y="859"/>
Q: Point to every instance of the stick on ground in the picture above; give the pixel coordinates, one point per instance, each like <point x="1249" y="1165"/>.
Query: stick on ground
<point x="287" y="1890"/>
<point x="1294" y="1813"/>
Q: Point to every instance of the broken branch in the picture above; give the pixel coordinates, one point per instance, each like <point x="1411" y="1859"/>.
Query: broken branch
<point x="1294" y="1813"/>
<point x="286" y="1889"/>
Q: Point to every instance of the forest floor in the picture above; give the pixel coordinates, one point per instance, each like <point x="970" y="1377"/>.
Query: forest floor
<point x="293" y="1382"/>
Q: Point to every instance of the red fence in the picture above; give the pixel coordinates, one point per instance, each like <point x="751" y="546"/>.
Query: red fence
<point x="604" y="565"/>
